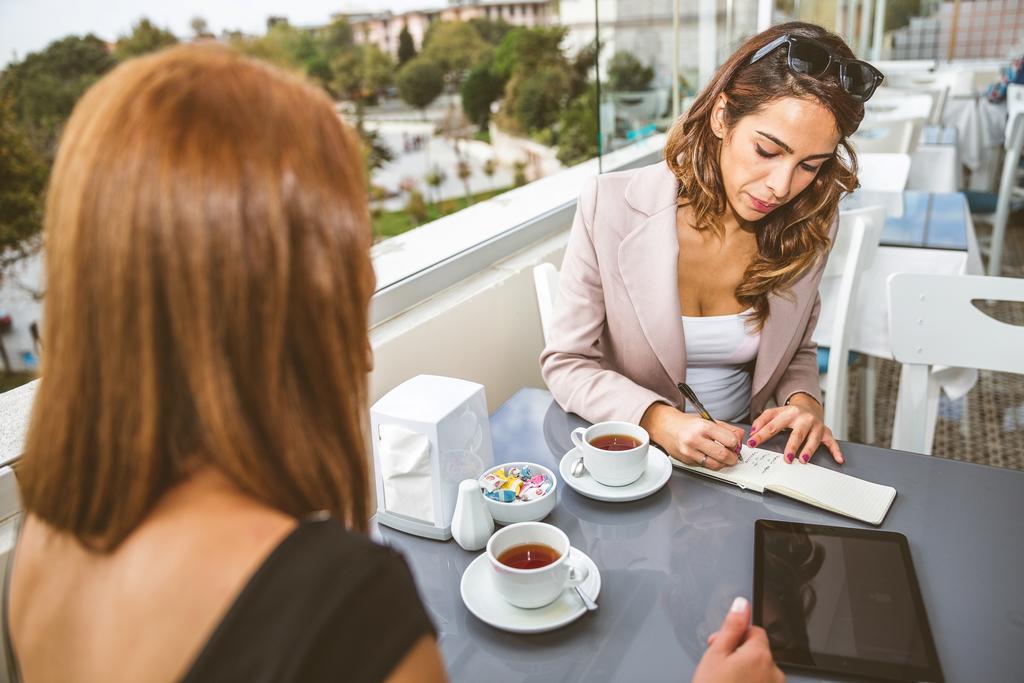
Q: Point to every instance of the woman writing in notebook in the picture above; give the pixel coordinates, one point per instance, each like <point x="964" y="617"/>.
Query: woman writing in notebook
<point x="195" y="487"/>
<point x="706" y="266"/>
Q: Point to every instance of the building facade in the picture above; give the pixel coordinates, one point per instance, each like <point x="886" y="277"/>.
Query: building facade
<point x="382" y="29"/>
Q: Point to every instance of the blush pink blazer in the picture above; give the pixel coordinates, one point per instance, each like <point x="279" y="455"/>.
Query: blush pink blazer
<point x="616" y="342"/>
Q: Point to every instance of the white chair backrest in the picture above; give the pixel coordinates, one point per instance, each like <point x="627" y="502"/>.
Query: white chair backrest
<point x="545" y="282"/>
<point x="852" y="253"/>
<point x="1014" y="99"/>
<point x="1008" y="190"/>
<point x="883" y="172"/>
<point x="933" y="322"/>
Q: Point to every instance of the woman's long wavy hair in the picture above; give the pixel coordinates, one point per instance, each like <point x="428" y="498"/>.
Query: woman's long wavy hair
<point x="208" y="286"/>
<point x="794" y="236"/>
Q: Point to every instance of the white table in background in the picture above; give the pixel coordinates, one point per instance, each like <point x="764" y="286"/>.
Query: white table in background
<point x="935" y="164"/>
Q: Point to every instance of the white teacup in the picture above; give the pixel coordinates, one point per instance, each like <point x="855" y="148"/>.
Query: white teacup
<point x="608" y="467"/>
<point x="531" y="588"/>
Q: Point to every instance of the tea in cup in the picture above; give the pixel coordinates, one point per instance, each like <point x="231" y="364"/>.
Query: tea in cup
<point x="614" y="453"/>
<point x="533" y="564"/>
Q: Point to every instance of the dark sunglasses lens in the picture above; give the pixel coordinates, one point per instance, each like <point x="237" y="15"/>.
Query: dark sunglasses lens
<point x="808" y="58"/>
<point x="859" y="80"/>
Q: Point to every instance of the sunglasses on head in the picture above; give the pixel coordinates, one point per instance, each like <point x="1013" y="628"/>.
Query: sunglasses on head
<point x="811" y="58"/>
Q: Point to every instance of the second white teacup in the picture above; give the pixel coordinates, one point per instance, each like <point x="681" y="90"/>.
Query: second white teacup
<point x="533" y="563"/>
<point x="611" y="461"/>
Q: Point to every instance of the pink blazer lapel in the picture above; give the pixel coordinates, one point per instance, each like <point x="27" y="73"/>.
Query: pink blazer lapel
<point x="776" y="335"/>
<point x="648" y="262"/>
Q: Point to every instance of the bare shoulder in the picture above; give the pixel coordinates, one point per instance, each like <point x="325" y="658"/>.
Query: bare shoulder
<point x="158" y="596"/>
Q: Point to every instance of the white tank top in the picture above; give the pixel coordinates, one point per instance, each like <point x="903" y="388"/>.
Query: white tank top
<point x="718" y="349"/>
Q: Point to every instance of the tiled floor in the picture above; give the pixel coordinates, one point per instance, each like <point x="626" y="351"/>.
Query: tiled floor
<point x="992" y="430"/>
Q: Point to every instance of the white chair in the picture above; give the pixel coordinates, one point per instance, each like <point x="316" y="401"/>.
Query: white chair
<point x="545" y="282"/>
<point x="928" y="317"/>
<point x="854" y="249"/>
<point x="1014" y="100"/>
<point x="995" y="208"/>
<point x="898" y="136"/>
<point x="883" y="172"/>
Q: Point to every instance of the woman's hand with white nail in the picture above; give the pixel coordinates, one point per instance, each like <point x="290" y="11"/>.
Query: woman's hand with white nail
<point x="738" y="652"/>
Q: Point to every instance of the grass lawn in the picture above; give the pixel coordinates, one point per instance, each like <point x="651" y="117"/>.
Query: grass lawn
<point x="15" y="379"/>
<point x="391" y="223"/>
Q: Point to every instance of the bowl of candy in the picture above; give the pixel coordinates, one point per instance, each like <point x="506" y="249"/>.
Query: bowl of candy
<point x="519" y="492"/>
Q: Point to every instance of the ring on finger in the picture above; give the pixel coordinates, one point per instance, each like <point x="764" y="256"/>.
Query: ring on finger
<point x="703" y="459"/>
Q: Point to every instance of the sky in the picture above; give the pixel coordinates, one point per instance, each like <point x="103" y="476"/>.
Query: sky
<point x="30" y="25"/>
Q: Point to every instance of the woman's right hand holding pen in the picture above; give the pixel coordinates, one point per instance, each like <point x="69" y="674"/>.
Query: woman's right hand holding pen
<point x="692" y="439"/>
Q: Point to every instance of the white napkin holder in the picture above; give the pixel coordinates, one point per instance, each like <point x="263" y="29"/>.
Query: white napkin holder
<point x="428" y="433"/>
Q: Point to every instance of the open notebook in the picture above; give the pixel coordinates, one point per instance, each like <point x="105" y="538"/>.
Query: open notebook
<point x="762" y="470"/>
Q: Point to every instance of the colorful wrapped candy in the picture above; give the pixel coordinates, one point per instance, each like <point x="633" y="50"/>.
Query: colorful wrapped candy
<point x="519" y="483"/>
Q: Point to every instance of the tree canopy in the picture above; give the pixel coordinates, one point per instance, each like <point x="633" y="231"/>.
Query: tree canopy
<point x="22" y="177"/>
<point x="42" y="89"/>
<point x="406" y="48"/>
<point x="420" y="82"/>
<point x="145" y="37"/>
<point x="455" y="46"/>
<point x="626" y="73"/>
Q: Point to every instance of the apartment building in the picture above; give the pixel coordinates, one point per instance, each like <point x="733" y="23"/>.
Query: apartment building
<point x="382" y="29"/>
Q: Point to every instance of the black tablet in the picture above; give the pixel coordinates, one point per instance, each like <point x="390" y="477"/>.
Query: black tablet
<point x="841" y="601"/>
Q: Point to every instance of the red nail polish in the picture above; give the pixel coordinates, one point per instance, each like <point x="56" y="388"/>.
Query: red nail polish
<point x="754" y="429"/>
<point x="789" y="457"/>
<point x="805" y="458"/>
<point x="751" y="443"/>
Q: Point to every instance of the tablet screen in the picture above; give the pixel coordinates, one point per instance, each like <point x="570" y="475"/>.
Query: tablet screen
<point x="841" y="600"/>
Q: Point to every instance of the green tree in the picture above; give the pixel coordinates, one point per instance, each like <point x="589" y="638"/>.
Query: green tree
<point x="578" y="129"/>
<point x="22" y="178"/>
<point x="540" y="79"/>
<point x="375" y="152"/>
<point x="524" y="50"/>
<point x="361" y="73"/>
<point x="491" y="31"/>
<point x="454" y="46"/>
<point x="336" y="39"/>
<point x="519" y="177"/>
<point x="626" y="73"/>
<point x="43" y="88"/>
<point x="420" y="82"/>
<point x="480" y="89"/>
<point x="406" y="48"/>
<point x="378" y="69"/>
<point x="200" y="29"/>
<point x="489" y="168"/>
<point x="144" y="38"/>
<point x="290" y="47"/>
<point x="464" y="172"/>
<point x="435" y="179"/>
<point x="584" y="66"/>
<point x="416" y="207"/>
<point x="538" y="98"/>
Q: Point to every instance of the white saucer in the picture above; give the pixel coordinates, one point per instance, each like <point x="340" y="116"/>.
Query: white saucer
<point x="482" y="599"/>
<point x="659" y="469"/>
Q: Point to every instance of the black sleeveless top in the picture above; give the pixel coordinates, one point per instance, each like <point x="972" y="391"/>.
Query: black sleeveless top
<point x="326" y="605"/>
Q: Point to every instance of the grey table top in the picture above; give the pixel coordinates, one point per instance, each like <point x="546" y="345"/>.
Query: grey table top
<point x="672" y="563"/>
<point x="923" y="220"/>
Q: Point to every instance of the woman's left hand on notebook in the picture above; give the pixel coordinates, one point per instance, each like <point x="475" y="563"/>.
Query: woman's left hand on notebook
<point x="805" y="418"/>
